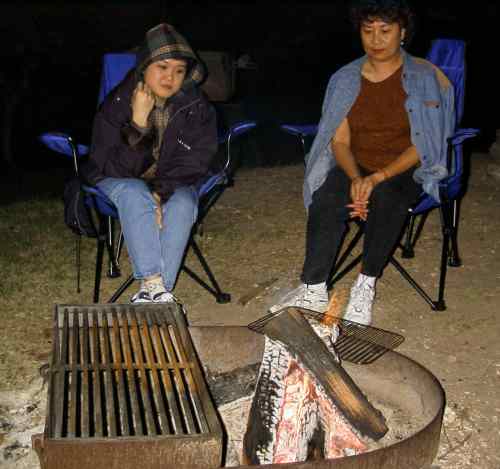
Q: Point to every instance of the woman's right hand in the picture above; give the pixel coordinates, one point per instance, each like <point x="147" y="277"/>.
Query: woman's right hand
<point x="142" y="103"/>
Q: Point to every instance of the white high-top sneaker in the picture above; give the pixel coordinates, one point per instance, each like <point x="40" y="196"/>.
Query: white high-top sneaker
<point x="359" y="308"/>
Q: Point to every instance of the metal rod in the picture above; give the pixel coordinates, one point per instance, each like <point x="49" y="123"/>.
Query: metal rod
<point x="127" y="351"/>
<point x="145" y="394"/>
<point x="73" y="376"/>
<point x="122" y="288"/>
<point x="412" y="282"/>
<point x="59" y="394"/>
<point x="120" y="376"/>
<point x="109" y="375"/>
<point x="96" y="375"/>
<point x="85" y="377"/>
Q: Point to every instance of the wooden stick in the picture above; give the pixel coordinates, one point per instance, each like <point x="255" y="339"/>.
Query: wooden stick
<point x="290" y="328"/>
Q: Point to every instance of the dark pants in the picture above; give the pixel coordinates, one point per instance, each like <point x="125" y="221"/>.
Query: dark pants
<point x="326" y="224"/>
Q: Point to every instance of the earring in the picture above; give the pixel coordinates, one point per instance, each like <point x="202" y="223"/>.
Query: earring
<point x="402" y="42"/>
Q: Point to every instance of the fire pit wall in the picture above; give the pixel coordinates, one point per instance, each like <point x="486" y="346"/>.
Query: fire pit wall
<point x="393" y="380"/>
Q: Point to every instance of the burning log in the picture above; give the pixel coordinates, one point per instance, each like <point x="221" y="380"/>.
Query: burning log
<point x="302" y="387"/>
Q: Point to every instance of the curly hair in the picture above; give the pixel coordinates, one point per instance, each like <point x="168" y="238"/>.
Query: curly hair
<point x="391" y="11"/>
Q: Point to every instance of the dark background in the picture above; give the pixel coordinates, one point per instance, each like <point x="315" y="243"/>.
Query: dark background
<point x="51" y="55"/>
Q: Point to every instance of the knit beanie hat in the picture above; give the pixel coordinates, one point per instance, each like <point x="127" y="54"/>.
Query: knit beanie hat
<point x="164" y="42"/>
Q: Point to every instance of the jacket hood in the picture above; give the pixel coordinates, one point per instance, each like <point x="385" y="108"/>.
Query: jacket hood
<point x="164" y="42"/>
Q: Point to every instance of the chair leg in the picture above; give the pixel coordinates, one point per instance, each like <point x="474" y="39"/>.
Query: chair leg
<point x="113" y="269"/>
<point x="340" y="275"/>
<point x="121" y="289"/>
<point x="215" y="290"/>
<point x="119" y="248"/>
<point x="101" y="241"/>
<point x="78" y="242"/>
<point x="454" y="258"/>
<point x="337" y="275"/>
<point x="447" y="229"/>
<point x="413" y="283"/>
<point x="407" y="251"/>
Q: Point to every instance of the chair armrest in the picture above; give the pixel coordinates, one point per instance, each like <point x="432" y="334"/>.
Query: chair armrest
<point x="63" y="143"/>
<point x="308" y="130"/>
<point x="461" y="135"/>
<point x="236" y="129"/>
<point x="210" y="182"/>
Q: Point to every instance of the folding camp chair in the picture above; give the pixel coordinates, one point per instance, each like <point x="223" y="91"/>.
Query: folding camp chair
<point x="115" y="67"/>
<point x="449" y="55"/>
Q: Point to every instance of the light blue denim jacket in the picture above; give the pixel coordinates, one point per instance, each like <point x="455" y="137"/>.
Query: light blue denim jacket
<point x="430" y="108"/>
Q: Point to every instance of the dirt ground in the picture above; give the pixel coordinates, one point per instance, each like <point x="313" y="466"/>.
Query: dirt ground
<point x="254" y="241"/>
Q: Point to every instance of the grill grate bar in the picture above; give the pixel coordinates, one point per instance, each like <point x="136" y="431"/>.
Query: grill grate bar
<point x="111" y="424"/>
<point x="120" y="377"/>
<point x="59" y="379"/>
<point x="73" y="334"/>
<point x="85" y="377"/>
<point x="98" y="424"/>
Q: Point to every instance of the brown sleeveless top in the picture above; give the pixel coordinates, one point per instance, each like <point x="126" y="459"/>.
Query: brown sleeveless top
<point x="380" y="129"/>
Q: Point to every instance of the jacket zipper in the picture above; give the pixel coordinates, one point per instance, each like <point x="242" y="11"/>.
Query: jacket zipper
<point x="185" y="145"/>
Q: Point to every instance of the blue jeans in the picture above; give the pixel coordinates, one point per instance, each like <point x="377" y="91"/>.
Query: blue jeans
<point x="153" y="250"/>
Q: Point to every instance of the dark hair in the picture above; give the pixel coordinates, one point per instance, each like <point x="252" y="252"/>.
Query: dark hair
<point x="391" y="11"/>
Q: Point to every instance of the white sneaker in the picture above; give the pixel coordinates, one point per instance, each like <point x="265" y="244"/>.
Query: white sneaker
<point x="308" y="296"/>
<point x="359" y="308"/>
<point x="142" y="296"/>
<point x="164" y="297"/>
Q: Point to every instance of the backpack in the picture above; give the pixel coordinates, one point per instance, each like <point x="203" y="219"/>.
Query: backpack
<point x="77" y="215"/>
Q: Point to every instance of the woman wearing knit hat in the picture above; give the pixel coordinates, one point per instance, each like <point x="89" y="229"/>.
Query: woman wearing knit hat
<point x="152" y="143"/>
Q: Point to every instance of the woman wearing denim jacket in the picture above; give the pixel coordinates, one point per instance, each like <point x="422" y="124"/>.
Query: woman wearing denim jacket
<point x="152" y="143"/>
<point x="382" y="139"/>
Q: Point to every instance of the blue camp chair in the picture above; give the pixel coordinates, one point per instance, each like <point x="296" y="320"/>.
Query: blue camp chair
<point x="449" y="56"/>
<point x="115" y="67"/>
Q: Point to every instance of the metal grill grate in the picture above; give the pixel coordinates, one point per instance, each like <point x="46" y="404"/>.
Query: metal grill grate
<point x="356" y="343"/>
<point x="123" y="371"/>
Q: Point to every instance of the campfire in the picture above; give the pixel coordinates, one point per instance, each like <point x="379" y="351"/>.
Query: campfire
<point x="304" y="399"/>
